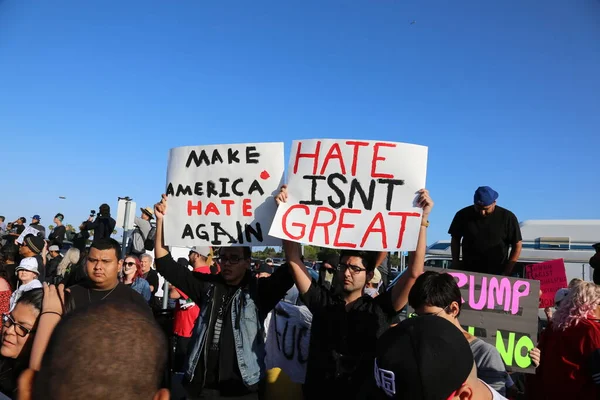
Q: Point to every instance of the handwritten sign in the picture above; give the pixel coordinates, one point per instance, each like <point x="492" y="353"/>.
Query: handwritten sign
<point x="223" y="195"/>
<point x="552" y="276"/>
<point x="501" y="310"/>
<point x="288" y="339"/>
<point x="353" y="194"/>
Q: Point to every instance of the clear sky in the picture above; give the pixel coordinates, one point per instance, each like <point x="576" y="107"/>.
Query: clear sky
<point x="504" y="93"/>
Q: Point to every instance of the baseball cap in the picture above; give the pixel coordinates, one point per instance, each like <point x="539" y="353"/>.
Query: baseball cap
<point x="204" y="251"/>
<point x="54" y="248"/>
<point x="424" y="358"/>
<point x="485" y="196"/>
<point x="23" y="219"/>
<point x="264" y="268"/>
<point x="560" y="295"/>
<point x="35" y="243"/>
<point x="36" y="216"/>
<point x="28" y="264"/>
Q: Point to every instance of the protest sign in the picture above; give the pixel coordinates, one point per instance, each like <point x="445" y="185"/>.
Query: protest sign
<point x="288" y="339"/>
<point x="552" y="276"/>
<point x="353" y="194"/>
<point x="222" y="195"/>
<point x="28" y="231"/>
<point x="501" y="310"/>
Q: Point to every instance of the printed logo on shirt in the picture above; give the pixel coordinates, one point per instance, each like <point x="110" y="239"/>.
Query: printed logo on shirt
<point x="386" y="380"/>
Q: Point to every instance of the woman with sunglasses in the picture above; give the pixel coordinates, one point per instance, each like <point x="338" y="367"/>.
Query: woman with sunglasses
<point x="19" y="328"/>
<point x="134" y="277"/>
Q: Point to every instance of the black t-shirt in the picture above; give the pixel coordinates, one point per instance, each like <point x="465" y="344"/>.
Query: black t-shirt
<point x="57" y="236"/>
<point x="342" y="342"/>
<point x="152" y="278"/>
<point x="83" y="295"/>
<point x="485" y="240"/>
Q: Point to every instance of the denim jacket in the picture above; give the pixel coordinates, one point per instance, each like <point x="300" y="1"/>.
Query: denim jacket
<point x="142" y="286"/>
<point x="248" y="334"/>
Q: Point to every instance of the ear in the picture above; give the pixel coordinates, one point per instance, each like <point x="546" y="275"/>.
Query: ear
<point x="370" y="276"/>
<point x="162" y="394"/>
<point x="465" y="392"/>
<point x="120" y="267"/>
<point x="454" y="309"/>
<point x="25" y="384"/>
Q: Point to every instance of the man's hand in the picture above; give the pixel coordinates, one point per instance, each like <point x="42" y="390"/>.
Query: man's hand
<point x="282" y="195"/>
<point x="535" y="354"/>
<point x="425" y="202"/>
<point x="53" y="298"/>
<point x="160" y="208"/>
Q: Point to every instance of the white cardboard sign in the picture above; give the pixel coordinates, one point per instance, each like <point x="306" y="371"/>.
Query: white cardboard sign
<point x="222" y="195"/>
<point x="27" y="231"/>
<point x="353" y="194"/>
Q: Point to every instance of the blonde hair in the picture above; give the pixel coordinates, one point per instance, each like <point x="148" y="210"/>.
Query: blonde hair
<point x="580" y="303"/>
<point x="574" y="282"/>
<point x="71" y="258"/>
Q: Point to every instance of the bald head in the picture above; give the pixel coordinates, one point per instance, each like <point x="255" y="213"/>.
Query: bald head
<point x="106" y="350"/>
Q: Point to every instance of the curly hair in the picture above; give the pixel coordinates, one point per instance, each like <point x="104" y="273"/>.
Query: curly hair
<point x="580" y="303"/>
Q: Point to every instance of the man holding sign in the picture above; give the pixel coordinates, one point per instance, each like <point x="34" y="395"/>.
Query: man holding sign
<point x="345" y="327"/>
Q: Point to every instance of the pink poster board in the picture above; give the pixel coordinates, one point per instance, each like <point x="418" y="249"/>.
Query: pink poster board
<point x="552" y="276"/>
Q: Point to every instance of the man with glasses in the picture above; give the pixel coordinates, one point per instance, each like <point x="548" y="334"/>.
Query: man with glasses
<point x="227" y="349"/>
<point x="345" y="326"/>
<point x="485" y="230"/>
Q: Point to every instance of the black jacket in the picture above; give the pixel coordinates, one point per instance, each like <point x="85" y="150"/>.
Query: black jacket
<point x="102" y="227"/>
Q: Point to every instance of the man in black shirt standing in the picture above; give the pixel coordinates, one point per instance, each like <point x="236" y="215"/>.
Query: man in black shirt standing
<point x="346" y="326"/>
<point x="104" y="262"/>
<point x="226" y="352"/>
<point x="486" y="231"/>
<point x="57" y="236"/>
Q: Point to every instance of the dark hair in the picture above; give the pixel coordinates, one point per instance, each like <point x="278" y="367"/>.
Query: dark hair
<point x="107" y="244"/>
<point x="369" y="258"/>
<point x="75" y="342"/>
<point x="246" y="251"/>
<point x="435" y="289"/>
<point x="60" y="217"/>
<point x="35" y="297"/>
<point x="2" y="218"/>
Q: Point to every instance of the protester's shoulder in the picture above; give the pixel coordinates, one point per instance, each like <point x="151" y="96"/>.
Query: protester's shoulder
<point x="505" y="212"/>
<point x="465" y="212"/>
<point x="485" y="352"/>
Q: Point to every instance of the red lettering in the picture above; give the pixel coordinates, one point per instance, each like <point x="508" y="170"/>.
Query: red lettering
<point x="227" y="204"/>
<point x="324" y="225"/>
<point x="376" y="158"/>
<point x="294" y="224"/>
<point x="371" y="229"/>
<point x="246" y="208"/>
<point x="342" y="225"/>
<point x="314" y="156"/>
<point x="404" y="216"/>
<point x="356" y="145"/>
<point x="331" y="156"/>
<point x="191" y="207"/>
<point x="211" y="208"/>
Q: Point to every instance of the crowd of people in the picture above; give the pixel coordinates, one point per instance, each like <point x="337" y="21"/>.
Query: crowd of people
<point x="88" y="322"/>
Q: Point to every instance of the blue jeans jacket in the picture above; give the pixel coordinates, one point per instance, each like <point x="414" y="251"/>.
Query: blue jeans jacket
<point x="248" y="334"/>
<point x="142" y="286"/>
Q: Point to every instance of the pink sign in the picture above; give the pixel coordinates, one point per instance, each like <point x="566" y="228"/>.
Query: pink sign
<point x="552" y="276"/>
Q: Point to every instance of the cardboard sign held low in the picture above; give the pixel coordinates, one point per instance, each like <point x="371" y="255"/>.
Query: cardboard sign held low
<point x="501" y="310"/>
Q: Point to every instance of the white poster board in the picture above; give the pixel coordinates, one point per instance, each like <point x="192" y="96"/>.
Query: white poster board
<point x="222" y="195"/>
<point x="27" y="231"/>
<point x="352" y="194"/>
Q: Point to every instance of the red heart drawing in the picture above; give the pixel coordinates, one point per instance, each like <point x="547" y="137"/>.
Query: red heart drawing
<point x="264" y="175"/>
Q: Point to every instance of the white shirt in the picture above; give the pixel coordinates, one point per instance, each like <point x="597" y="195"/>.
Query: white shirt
<point x="14" y="297"/>
<point x="495" y="395"/>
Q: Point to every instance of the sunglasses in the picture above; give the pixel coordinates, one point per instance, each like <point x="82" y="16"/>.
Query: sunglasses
<point x="129" y="264"/>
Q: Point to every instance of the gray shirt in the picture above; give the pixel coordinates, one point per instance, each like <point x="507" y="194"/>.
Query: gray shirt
<point x="490" y="367"/>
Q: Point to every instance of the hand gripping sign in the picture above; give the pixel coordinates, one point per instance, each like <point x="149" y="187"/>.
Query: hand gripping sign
<point x="353" y="194"/>
<point x="222" y="195"/>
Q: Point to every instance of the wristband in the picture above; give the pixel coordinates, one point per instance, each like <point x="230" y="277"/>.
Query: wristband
<point x="51" y="312"/>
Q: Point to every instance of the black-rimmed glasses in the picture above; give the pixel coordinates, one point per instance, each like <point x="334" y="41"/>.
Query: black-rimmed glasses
<point x="8" y="321"/>
<point x="353" y="268"/>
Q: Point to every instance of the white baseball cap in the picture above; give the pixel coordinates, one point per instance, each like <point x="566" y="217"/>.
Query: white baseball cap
<point x="28" y="264"/>
<point x="54" y="248"/>
<point x="204" y="251"/>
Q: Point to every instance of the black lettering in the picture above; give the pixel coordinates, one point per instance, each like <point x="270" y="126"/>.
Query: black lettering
<point x="216" y="157"/>
<point x="224" y="192"/>
<point x="251" y="155"/>
<point x="210" y="189"/>
<point x="240" y="233"/>
<point x="250" y="231"/>
<point x="235" y="185"/>
<point x="198" y="190"/>
<point x="170" y="191"/>
<point x="341" y="196"/>
<point x="232" y="156"/>
<point x="203" y="235"/>
<point x="218" y="231"/>
<point x="255" y="187"/>
<point x="356" y="187"/>
<point x="313" y="190"/>
<point x="185" y="190"/>
<point x="390" y="190"/>
<point x="197" y="160"/>
<point x="187" y="231"/>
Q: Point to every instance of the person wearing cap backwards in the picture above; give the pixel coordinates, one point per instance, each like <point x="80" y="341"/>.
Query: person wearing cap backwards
<point x="35" y="224"/>
<point x="485" y="231"/>
<point x="34" y="246"/>
<point x="227" y="350"/>
<point x="346" y="325"/>
<point x="57" y="236"/>
<point x="140" y="233"/>
<point x="426" y="358"/>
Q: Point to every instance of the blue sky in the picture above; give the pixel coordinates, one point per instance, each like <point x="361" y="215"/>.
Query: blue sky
<point x="504" y="93"/>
